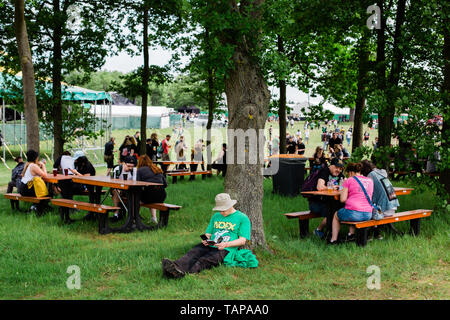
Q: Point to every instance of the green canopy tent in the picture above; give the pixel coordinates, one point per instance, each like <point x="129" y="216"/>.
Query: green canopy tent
<point x="11" y="89"/>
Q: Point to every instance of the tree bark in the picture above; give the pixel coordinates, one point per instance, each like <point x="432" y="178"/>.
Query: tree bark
<point x="211" y="106"/>
<point x="145" y="80"/>
<point x="360" y="102"/>
<point x="444" y="178"/>
<point x="29" y="92"/>
<point x="56" y="88"/>
<point x="352" y="115"/>
<point x="248" y="100"/>
<point x="282" y="104"/>
<point x="387" y="116"/>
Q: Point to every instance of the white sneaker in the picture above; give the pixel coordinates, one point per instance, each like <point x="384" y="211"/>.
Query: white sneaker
<point x="155" y="220"/>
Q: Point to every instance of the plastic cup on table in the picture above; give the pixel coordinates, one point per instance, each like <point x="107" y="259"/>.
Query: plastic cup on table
<point x="66" y="172"/>
<point x="55" y="172"/>
<point x="125" y="176"/>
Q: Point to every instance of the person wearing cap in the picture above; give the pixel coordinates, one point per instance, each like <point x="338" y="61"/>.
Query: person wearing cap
<point x="230" y="229"/>
<point x="327" y="175"/>
<point x="16" y="175"/>
<point x="357" y="206"/>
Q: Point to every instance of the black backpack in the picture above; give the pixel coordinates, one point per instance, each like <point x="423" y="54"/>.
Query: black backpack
<point x="310" y="183"/>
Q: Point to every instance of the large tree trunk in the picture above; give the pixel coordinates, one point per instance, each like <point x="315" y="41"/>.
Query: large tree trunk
<point x="360" y="102"/>
<point x="282" y="104"/>
<point x="29" y="93"/>
<point x="384" y="137"/>
<point x="56" y="88"/>
<point x="352" y="115"/>
<point x="248" y="100"/>
<point x="387" y="116"/>
<point x="444" y="178"/>
<point x="211" y="106"/>
<point x="145" y="79"/>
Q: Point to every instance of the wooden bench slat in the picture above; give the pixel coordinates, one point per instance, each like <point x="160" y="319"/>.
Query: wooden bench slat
<point x="189" y="173"/>
<point x="161" y="206"/>
<point x="302" y="215"/>
<point x="401" y="216"/>
<point x="18" y="196"/>
<point x="91" y="207"/>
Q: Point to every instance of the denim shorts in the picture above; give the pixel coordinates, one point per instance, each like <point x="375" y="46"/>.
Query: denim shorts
<point x="352" y="215"/>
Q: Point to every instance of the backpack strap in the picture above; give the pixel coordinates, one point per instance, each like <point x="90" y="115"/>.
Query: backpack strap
<point x="365" y="193"/>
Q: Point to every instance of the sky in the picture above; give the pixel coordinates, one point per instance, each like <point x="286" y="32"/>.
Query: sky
<point x="160" y="57"/>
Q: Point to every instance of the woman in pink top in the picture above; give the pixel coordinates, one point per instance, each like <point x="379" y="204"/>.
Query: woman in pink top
<point x="357" y="207"/>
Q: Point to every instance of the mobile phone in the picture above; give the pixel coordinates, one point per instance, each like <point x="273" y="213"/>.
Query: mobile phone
<point x="204" y="237"/>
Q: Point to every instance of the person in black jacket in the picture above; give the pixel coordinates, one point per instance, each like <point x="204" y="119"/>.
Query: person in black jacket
<point x="16" y="175"/>
<point x="109" y="155"/>
<point x="147" y="171"/>
<point x="152" y="146"/>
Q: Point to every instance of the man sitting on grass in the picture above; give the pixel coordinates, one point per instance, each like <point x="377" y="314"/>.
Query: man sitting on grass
<point x="229" y="229"/>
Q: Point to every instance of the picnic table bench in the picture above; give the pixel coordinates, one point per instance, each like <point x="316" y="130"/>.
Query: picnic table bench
<point x="413" y="216"/>
<point x="304" y="216"/>
<point x="192" y="174"/>
<point x="362" y="227"/>
<point x="164" y="211"/>
<point x="16" y="197"/>
<point x="102" y="210"/>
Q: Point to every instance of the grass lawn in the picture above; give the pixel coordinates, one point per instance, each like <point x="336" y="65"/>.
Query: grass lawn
<point x="36" y="252"/>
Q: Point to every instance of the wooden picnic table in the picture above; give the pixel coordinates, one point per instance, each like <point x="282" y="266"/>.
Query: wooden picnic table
<point x="332" y="196"/>
<point x="132" y="189"/>
<point x="335" y="193"/>
<point x="50" y="178"/>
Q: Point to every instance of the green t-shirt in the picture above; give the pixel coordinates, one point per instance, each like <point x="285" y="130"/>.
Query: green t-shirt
<point x="230" y="228"/>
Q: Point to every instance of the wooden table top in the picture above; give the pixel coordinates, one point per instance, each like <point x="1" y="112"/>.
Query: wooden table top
<point x="334" y="193"/>
<point x="59" y="177"/>
<point x="105" y="181"/>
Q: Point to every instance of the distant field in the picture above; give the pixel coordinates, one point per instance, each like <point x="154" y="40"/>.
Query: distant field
<point x="191" y="135"/>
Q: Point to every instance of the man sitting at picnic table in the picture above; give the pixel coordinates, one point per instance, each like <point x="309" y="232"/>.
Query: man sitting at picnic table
<point x="229" y="229"/>
<point x="331" y="174"/>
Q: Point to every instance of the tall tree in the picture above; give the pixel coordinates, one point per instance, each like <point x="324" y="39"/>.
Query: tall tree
<point x="248" y="101"/>
<point x="154" y="21"/>
<point x="26" y="62"/>
<point x="64" y="35"/>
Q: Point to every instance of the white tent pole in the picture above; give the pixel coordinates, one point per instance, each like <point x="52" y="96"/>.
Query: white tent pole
<point x="21" y="132"/>
<point x="15" y="119"/>
<point x="4" y="132"/>
<point x="82" y="136"/>
<point x="95" y="121"/>
<point x="110" y="120"/>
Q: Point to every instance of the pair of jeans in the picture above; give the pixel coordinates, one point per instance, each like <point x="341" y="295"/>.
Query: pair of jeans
<point x="201" y="257"/>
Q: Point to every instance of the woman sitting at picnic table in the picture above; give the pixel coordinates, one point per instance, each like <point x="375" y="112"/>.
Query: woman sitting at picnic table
<point x="318" y="161"/>
<point x="33" y="169"/>
<point x="118" y="172"/>
<point x="147" y="171"/>
<point x="380" y="192"/>
<point x="357" y="207"/>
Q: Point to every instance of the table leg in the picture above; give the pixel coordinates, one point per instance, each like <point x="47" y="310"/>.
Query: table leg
<point x="128" y="225"/>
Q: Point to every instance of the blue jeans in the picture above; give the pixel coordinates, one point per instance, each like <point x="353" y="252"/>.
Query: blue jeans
<point x="318" y="207"/>
<point x="352" y="215"/>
